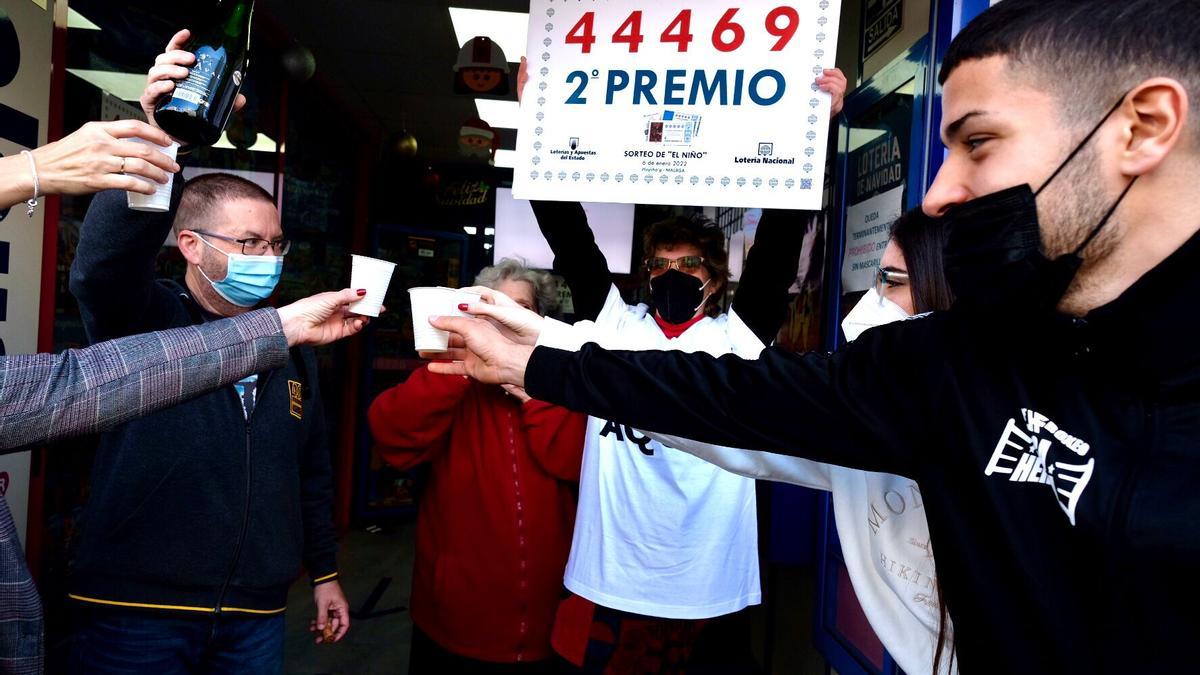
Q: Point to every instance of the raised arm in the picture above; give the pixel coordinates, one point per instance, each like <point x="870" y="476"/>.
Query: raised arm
<point x="576" y="255"/>
<point x="45" y="397"/>
<point x="113" y="274"/>
<point x="761" y="298"/>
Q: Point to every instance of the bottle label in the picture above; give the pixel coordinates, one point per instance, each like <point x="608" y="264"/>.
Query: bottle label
<point x="197" y="88"/>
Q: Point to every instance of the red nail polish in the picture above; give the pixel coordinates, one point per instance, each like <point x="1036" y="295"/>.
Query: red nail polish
<point x="462" y="307"/>
<point x="361" y="292"/>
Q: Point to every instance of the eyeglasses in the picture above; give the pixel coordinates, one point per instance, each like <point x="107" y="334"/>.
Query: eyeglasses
<point x="253" y="245"/>
<point x="687" y="264"/>
<point x="889" y="278"/>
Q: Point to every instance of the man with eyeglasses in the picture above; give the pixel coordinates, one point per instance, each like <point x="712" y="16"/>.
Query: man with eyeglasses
<point x="200" y="516"/>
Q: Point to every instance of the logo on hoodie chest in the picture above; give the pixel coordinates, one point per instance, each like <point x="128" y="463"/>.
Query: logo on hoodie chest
<point x="296" y="394"/>
<point x="1036" y="450"/>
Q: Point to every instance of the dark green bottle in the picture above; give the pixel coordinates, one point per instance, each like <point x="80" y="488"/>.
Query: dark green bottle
<point x="197" y="111"/>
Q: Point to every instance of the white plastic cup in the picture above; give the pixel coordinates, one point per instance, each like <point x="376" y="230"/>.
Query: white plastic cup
<point x="434" y="301"/>
<point x="160" y="201"/>
<point x="374" y="275"/>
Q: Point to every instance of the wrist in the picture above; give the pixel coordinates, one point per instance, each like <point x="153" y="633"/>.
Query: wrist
<point x="324" y="579"/>
<point x="45" y="176"/>
<point x="292" y="328"/>
<point x="514" y="371"/>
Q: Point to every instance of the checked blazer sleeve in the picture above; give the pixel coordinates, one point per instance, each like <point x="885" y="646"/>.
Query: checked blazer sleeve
<point x="44" y="397"/>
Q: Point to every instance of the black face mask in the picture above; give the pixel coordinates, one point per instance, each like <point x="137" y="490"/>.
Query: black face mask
<point x="677" y="296"/>
<point x="993" y="252"/>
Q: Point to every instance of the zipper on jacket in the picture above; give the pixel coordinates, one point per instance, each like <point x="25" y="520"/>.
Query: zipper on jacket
<point x="237" y="549"/>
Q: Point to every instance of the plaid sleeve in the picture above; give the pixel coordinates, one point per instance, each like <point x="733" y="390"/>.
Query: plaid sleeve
<point x="44" y="397"/>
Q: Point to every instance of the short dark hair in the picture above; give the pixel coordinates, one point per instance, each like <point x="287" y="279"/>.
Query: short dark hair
<point x="1088" y="52"/>
<point x="922" y="239"/>
<point x="203" y="194"/>
<point x="704" y="235"/>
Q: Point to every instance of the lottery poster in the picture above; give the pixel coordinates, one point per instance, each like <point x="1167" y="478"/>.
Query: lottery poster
<point x="683" y="103"/>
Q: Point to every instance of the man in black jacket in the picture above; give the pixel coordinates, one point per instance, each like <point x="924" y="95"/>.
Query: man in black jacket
<point x="1052" y="418"/>
<point x="206" y="511"/>
<point x="200" y="516"/>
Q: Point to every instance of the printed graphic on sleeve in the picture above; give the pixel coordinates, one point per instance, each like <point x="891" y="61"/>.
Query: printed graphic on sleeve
<point x="1039" y="451"/>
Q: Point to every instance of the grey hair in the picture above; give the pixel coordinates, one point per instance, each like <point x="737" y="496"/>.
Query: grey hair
<point x="545" y="286"/>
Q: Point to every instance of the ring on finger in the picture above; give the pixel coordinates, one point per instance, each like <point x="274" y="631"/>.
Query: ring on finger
<point x="123" y="165"/>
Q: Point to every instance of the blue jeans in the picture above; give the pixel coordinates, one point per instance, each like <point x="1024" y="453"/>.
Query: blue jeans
<point x="136" y="643"/>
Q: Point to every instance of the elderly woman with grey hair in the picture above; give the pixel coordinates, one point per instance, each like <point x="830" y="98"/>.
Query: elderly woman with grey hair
<point x="532" y="289"/>
<point x="496" y="519"/>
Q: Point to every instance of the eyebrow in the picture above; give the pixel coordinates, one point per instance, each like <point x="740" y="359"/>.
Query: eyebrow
<point x="956" y="126"/>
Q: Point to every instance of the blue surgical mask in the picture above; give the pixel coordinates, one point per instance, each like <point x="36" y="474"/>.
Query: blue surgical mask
<point x="249" y="279"/>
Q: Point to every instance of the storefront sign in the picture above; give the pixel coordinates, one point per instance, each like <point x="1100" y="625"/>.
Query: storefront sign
<point x="25" y="31"/>
<point x="868" y="225"/>
<point x="882" y="20"/>
<point x="700" y="102"/>
<point x="878" y="166"/>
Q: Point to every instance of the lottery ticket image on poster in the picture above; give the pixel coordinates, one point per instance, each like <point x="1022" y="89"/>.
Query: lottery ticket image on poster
<point x="707" y="104"/>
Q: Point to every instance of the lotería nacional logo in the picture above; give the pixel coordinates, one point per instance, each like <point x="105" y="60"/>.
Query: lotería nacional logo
<point x="765" y="155"/>
<point x="572" y="151"/>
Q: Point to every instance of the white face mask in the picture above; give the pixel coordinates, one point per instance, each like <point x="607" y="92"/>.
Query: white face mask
<point x="873" y="310"/>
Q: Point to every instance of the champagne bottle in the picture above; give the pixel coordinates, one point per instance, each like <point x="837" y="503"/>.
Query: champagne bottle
<point x="196" y="112"/>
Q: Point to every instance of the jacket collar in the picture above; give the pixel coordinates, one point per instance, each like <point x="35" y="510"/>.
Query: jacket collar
<point x="1148" y="335"/>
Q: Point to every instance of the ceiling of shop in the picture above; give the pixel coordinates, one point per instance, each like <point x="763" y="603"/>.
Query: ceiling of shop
<point x="387" y="61"/>
<point x="391" y="60"/>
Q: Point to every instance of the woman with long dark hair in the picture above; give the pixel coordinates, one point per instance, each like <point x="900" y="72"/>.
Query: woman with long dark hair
<point x="880" y="517"/>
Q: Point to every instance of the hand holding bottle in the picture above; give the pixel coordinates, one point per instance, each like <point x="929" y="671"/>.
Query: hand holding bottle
<point x="170" y="66"/>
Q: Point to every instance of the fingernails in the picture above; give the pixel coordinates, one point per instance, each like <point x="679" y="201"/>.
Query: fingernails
<point x="463" y="307"/>
<point x="361" y="292"/>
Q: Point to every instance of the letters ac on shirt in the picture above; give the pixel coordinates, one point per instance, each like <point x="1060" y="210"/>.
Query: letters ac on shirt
<point x="1034" y="449"/>
<point x="621" y="431"/>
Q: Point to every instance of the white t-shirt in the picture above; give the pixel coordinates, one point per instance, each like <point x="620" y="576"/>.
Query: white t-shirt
<point x="659" y="532"/>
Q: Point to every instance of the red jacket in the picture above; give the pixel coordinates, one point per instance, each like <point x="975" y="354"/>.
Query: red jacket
<point x="494" y="524"/>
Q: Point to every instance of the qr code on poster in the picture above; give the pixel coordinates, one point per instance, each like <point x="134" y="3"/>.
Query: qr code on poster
<point x="805" y="183"/>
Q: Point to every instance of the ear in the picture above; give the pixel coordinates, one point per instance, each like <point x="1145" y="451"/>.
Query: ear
<point x="1156" y="117"/>
<point x="190" y="245"/>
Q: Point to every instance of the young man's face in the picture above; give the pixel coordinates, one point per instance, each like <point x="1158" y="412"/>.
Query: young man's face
<point x="1001" y="131"/>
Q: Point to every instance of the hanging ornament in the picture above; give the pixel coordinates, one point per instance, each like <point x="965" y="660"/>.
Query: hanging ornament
<point x="481" y="68"/>
<point x="406" y="144"/>
<point x="478" y="140"/>
<point x="298" y="62"/>
<point x="431" y="179"/>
